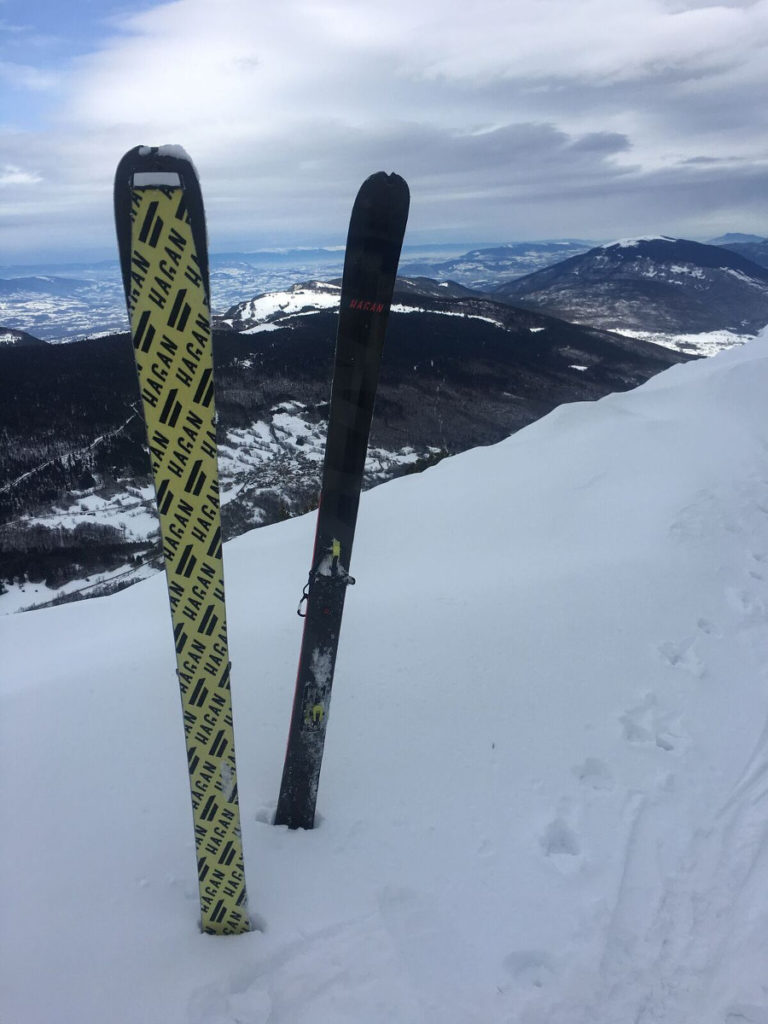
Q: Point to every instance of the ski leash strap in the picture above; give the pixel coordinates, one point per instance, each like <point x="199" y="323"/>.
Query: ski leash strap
<point x="161" y="236"/>
<point x="330" y="568"/>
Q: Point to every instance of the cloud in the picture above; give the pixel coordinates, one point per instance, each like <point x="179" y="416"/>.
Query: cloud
<point x="26" y="76"/>
<point x="256" y="65"/>
<point x="10" y="174"/>
<point x="594" y="39"/>
<point x="508" y="117"/>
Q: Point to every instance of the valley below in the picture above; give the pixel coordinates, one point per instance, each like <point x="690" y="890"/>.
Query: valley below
<point x="464" y="366"/>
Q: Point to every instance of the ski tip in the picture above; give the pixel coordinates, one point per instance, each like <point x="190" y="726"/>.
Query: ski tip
<point x="165" y="167"/>
<point x="387" y="178"/>
<point x="157" y="154"/>
<point x="156" y="166"/>
<point x="175" y="152"/>
<point x="388" y="188"/>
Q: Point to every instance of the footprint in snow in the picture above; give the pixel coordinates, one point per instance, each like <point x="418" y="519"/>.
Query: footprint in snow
<point x="559" y="840"/>
<point x="530" y="967"/>
<point x="594" y="774"/>
<point x="683" y="656"/>
<point x="749" y="606"/>
<point x="646" y="724"/>
<point x="708" y="628"/>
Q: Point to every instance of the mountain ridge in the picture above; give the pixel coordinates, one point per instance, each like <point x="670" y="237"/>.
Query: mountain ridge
<point x="659" y="283"/>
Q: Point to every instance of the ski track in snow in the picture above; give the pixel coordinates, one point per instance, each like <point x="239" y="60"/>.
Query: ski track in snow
<point x="680" y="908"/>
<point x="670" y="949"/>
<point x="670" y="931"/>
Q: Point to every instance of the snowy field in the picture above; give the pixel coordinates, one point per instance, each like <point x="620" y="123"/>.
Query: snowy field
<point x="545" y="792"/>
<point x="706" y="343"/>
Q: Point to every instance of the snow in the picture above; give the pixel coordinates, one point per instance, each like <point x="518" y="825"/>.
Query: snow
<point x="399" y="307"/>
<point x="22" y="597"/>
<point x="687" y="269"/>
<point x="169" y="150"/>
<point x="633" y="243"/>
<point x="297" y="300"/>
<point x="263" y="328"/>
<point x="745" y="278"/>
<point x="126" y="510"/>
<point x="703" y="343"/>
<point x="544" y="793"/>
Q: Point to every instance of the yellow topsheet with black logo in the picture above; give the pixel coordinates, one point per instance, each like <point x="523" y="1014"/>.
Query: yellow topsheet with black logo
<point x="170" y="324"/>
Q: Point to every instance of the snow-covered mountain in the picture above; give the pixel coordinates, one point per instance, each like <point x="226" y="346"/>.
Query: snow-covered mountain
<point x="13" y="336"/>
<point x="543" y="798"/>
<point x="265" y="312"/>
<point x="273" y="308"/>
<point x="653" y="285"/>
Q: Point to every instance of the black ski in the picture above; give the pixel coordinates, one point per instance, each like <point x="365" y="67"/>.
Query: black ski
<point x="374" y="241"/>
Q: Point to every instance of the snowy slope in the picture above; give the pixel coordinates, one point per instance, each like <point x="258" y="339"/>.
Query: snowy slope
<point x="277" y="307"/>
<point x="544" y="799"/>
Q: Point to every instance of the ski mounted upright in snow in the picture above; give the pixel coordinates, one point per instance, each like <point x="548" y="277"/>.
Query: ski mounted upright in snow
<point x="163" y="256"/>
<point x="376" y="230"/>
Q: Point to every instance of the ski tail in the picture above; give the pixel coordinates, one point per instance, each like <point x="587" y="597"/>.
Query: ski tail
<point x="375" y="237"/>
<point x="160" y="225"/>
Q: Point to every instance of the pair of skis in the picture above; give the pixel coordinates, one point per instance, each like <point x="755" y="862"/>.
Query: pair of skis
<point x="163" y="254"/>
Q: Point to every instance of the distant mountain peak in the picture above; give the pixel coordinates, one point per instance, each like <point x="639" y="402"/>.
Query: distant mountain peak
<point x="12" y="336"/>
<point x="276" y="309"/>
<point x="637" y="242"/>
<point x="737" y="238"/>
<point x="755" y="250"/>
<point x="271" y="308"/>
<point x="652" y="284"/>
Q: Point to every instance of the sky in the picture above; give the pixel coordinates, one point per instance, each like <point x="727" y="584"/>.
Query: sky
<point x="511" y="119"/>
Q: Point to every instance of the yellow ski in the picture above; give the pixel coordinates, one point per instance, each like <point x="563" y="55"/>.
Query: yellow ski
<point x="161" y="235"/>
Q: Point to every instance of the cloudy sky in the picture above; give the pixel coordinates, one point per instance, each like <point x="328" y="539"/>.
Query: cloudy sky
<point x="510" y="119"/>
